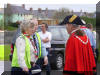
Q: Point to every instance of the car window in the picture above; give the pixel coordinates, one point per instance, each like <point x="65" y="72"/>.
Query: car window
<point x="56" y="33"/>
<point x="64" y="33"/>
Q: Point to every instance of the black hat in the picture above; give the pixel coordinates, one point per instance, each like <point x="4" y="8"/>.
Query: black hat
<point x="72" y="19"/>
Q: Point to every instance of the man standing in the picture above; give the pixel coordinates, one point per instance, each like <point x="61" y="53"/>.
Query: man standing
<point x="46" y="39"/>
<point x="79" y="58"/>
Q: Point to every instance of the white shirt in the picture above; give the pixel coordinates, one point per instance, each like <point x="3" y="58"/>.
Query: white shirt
<point x="20" y="45"/>
<point x="44" y="36"/>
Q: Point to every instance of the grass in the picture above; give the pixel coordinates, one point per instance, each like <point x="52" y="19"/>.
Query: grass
<point x="9" y="28"/>
<point x="99" y="53"/>
<point x="4" y="52"/>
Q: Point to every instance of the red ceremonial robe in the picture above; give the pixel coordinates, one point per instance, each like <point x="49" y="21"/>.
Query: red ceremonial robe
<point x="78" y="54"/>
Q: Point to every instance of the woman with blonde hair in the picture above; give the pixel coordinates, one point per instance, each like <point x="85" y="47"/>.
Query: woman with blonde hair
<point x="25" y="52"/>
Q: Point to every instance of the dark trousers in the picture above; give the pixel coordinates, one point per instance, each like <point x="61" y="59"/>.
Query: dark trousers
<point x="19" y="71"/>
<point x="47" y="67"/>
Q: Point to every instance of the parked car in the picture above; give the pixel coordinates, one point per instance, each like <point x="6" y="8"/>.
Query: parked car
<point x="59" y="38"/>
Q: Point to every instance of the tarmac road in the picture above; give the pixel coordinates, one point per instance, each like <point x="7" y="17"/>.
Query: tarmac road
<point x="7" y="67"/>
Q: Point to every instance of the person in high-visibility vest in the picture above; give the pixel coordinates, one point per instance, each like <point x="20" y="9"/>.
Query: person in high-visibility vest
<point x="25" y="52"/>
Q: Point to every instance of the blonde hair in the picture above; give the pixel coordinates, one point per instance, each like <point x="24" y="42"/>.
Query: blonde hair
<point x="26" y="24"/>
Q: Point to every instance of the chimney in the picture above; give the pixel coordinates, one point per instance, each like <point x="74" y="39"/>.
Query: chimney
<point x="46" y="11"/>
<point x="81" y="11"/>
<point x="23" y="6"/>
<point x="31" y="9"/>
<point x="39" y="10"/>
<point x="72" y="11"/>
<point x="8" y="5"/>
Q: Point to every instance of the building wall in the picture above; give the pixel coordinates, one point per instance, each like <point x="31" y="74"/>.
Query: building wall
<point x="16" y="17"/>
<point x="49" y="22"/>
<point x="27" y="17"/>
<point x="1" y="16"/>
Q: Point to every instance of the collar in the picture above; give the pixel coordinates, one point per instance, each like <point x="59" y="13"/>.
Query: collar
<point x="74" y="30"/>
<point x="27" y="35"/>
<point x="83" y="27"/>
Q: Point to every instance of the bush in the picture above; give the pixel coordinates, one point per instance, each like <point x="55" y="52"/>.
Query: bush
<point x="90" y="20"/>
<point x="10" y="28"/>
<point x="2" y="24"/>
<point x="14" y="24"/>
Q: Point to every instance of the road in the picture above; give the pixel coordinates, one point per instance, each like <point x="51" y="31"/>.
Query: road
<point x="6" y="66"/>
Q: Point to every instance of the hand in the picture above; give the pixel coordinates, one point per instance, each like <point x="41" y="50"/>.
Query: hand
<point x="33" y="64"/>
<point x="95" y="54"/>
<point x="45" y="40"/>
<point x="45" y="60"/>
<point x="25" y="69"/>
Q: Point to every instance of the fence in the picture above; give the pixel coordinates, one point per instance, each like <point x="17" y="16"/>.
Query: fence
<point x="6" y="37"/>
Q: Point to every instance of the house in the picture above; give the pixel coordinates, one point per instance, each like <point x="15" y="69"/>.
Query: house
<point x="98" y="7"/>
<point x="1" y="13"/>
<point x="84" y="14"/>
<point x="45" y="16"/>
<point x="17" y="13"/>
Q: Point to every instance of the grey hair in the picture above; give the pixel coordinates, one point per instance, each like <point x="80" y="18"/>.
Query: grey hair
<point x="75" y="26"/>
<point x="25" y="25"/>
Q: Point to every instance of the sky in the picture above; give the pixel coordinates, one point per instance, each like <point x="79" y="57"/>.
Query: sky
<point x="76" y="5"/>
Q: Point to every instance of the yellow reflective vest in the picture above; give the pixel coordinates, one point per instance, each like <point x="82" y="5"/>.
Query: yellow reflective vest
<point x="26" y="57"/>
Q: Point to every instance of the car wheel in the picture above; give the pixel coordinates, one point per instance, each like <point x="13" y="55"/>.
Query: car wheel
<point x="59" y="61"/>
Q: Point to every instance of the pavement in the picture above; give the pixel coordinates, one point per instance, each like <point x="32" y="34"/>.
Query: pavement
<point x="7" y="67"/>
<point x="1" y="67"/>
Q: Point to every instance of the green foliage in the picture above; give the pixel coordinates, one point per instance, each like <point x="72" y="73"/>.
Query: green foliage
<point x="61" y="14"/>
<point x="9" y="28"/>
<point x="99" y="53"/>
<point x="90" y="20"/>
<point x="2" y="24"/>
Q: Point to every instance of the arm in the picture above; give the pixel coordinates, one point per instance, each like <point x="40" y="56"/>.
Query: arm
<point x="48" y="38"/>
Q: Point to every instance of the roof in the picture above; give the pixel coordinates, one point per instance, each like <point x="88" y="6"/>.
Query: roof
<point x="98" y="6"/>
<point x="78" y="13"/>
<point x="17" y="10"/>
<point x="44" y="13"/>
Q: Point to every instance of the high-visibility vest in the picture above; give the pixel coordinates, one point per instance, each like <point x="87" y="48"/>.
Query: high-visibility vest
<point x="39" y="43"/>
<point x="26" y="57"/>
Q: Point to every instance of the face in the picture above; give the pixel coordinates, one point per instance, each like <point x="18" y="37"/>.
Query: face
<point x="43" y="28"/>
<point x="36" y="25"/>
<point x="69" y="28"/>
<point x="35" y="28"/>
<point x="30" y="30"/>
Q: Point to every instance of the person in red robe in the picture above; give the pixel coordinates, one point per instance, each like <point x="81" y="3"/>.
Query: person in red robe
<point x="79" y="56"/>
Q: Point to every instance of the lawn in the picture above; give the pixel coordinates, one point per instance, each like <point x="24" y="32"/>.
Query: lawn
<point x="4" y="52"/>
<point x="99" y="53"/>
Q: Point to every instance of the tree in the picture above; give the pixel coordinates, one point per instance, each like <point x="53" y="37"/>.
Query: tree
<point x="61" y="14"/>
<point x="2" y="24"/>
